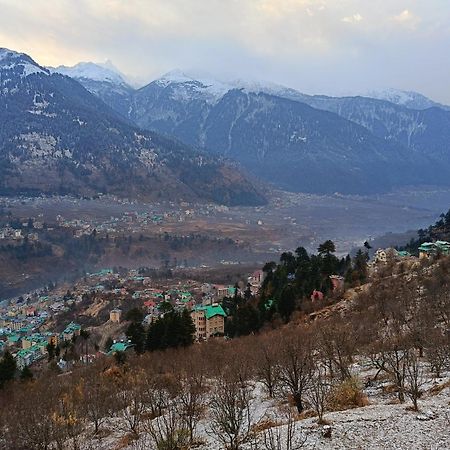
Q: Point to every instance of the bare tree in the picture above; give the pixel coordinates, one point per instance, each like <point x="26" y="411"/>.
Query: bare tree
<point x="438" y="351"/>
<point x="268" y="370"/>
<point x="336" y="344"/>
<point x="168" y="431"/>
<point x="192" y="401"/>
<point x="130" y="403"/>
<point x="285" y="437"/>
<point x="30" y="422"/>
<point x="296" y="365"/>
<point x="415" y="378"/>
<point x="68" y="417"/>
<point x="231" y="414"/>
<point x="318" y="393"/>
<point x="98" y="393"/>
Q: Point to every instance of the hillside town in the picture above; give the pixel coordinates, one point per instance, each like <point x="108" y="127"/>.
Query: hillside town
<point x="31" y="325"/>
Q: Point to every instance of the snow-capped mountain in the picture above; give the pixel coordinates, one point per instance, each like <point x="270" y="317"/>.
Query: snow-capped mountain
<point x="56" y="137"/>
<point x="19" y="63"/>
<point x="92" y="71"/>
<point x="103" y="80"/>
<point x="290" y="138"/>
<point x="185" y="86"/>
<point x="278" y="139"/>
<point x="409" y="99"/>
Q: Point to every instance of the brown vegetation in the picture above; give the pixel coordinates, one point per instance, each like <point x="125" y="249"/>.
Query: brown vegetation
<point x="399" y="326"/>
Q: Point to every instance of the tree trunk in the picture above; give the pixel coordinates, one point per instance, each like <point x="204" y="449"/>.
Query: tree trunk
<point x="298" y="402"/>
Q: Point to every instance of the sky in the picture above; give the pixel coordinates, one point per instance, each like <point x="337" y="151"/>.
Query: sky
<point x="316" y="46"/>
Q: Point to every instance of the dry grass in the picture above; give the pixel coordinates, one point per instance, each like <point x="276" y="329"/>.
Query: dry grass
<point x="438" y="388"/>
<point x="307" y="414"/>
<point x="125" y="441"/>
<point x="347" y="395"/>
<point x="389" y="388"/>
<point x="265" y="425"/>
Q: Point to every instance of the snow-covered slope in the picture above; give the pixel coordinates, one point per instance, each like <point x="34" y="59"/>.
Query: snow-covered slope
<point x="187" y="86"/>
<point x="11" y="60"/>
<point x="102" y="80"/>
<point x="92" y="71"/>
<point x="409" y="99"/>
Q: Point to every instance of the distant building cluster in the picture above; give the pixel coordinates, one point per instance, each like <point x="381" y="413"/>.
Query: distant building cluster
<point x="428" y="249"/>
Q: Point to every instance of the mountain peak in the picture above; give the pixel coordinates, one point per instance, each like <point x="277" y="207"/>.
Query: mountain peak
<point x="408" y="99"/>
<point x="187" y="85"/>
<point x="92" y="71"/>
<point x="10" y="59"/>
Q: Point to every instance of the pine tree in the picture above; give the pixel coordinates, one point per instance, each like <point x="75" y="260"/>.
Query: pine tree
<point x="286" y="303"/>
<point x="51" y="350"/>
<point x="26" y="374"/>
<point x="8" y="368"/>
<point x="136" y="334"/>
<point x="188" y="329"/>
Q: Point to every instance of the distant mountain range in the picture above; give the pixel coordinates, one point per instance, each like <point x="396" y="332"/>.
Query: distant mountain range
<point x="56" y="137"/>
<point x="296" y="141"/>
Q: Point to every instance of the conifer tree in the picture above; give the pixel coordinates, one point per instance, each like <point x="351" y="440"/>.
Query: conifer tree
<point x="8" y="368"/>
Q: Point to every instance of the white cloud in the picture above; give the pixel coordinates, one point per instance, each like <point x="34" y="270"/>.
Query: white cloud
<point x="355" y="18"/>
<point x="313" y="45"/>
<point x="406" y="18"/>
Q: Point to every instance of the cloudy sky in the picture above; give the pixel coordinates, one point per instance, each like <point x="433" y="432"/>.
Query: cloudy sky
<point x="316" y="46"/>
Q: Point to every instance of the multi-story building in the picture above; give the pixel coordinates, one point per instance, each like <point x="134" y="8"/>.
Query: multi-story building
<point x="208" y="320"/>
<point x="114" y="315"/>
<point x="428" y="249"/>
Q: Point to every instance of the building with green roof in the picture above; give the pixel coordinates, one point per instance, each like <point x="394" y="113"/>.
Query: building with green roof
<point x="209" y="321"/>
<point x="428" y="249"/>
<point x="73" y="329"/>
<point x="119" y="347"/>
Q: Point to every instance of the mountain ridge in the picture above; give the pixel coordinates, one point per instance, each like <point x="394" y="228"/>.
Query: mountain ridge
<point x="56" y="137"/>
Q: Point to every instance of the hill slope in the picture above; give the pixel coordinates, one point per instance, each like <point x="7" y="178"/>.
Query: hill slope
<point x="56" y="137"/>
<point x="365" y="145"/>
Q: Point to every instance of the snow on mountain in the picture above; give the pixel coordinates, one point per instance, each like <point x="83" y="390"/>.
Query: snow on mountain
<point x="12" y="60"/>
<point x="92" y="71"/>
<point x="409" y="99"/>
<point x="185" y="86"/>
<point x="188" y="85"/>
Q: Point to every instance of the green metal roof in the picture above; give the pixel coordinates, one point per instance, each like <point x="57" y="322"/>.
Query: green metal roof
<point x="72" y="327"/>
<point x="211" y="310"/>
<point x="119" y="347"/>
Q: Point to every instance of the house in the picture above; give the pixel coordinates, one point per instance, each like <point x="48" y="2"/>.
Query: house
<point x="221" y="291"/>
<point x="316" y="295"/>
<point x="428" y="249"/>
<point x="337" y="282"/>
<point x="114" y="315"/>
<point x="120" y="346"/>
<point x="208" y="320"/>
<point x="73" y="329"/>
<point x="257" y="277"/>
<point x="26" y="357"/>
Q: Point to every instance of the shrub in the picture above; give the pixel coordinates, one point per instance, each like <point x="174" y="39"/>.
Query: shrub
<point x="347" y="395"/>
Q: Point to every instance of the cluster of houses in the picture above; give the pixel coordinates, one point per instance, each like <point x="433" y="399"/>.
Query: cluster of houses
<point x="426" y="250"/>
<point x="138" y="221"/>
<point x="29" y="345"/>
<point x="8" y="233"/>
<point x="24" y="321"/>
<point x="429" y="249"/>
<point x="206" y="310"/>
